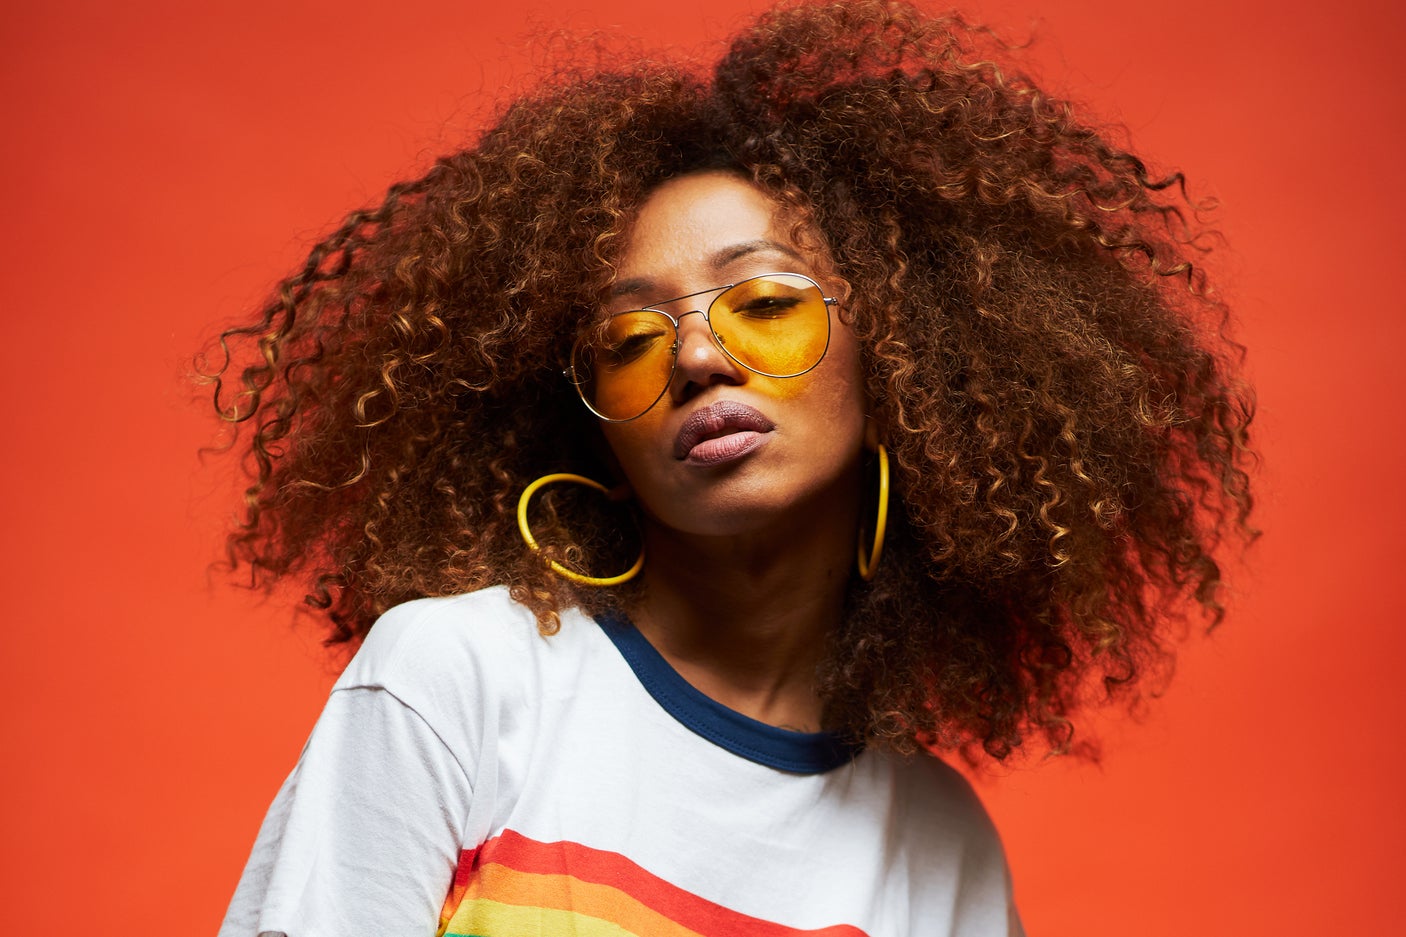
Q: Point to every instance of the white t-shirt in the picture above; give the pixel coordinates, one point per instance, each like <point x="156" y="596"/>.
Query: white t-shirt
<point x="471" y="776"/>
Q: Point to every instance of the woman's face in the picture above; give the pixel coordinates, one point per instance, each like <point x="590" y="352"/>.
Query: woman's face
<point x="726" y="451"/>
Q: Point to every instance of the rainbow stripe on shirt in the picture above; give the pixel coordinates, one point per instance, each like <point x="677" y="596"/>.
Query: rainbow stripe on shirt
<point x="513" y="886"/>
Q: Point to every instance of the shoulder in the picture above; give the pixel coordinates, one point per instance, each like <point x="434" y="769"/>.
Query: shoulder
<point x="427" y="636"/>
<point x="940" y="803"/>
<point x="473" y="657"/>
<point x="949" y="838"/>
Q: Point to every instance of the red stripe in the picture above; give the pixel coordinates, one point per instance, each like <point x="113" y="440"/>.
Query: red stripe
<point x="515" y="851"/>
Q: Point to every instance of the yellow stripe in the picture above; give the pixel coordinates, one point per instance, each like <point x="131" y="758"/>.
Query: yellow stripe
<point x="486" y="918"/>
<point x="590" y="907"/>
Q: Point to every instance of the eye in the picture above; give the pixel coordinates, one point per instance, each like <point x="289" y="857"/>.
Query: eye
<point x="768" y="307"/>
<point x="629" y="338"/>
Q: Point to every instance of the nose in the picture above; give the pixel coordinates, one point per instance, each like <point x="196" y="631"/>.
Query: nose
<point x="700" y="361"/>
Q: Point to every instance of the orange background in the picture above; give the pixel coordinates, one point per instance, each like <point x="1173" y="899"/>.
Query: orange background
<point x="165" y="161"/>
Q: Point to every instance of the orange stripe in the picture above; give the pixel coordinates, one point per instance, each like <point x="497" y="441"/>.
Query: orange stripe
<point x="498" y="883"/>
<point x="580" y="866"/>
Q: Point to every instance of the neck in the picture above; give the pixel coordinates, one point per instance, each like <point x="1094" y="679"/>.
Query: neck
<point x="746" y="618"/>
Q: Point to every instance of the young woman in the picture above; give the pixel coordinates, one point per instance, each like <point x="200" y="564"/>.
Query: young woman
<point x="705" y="450"/>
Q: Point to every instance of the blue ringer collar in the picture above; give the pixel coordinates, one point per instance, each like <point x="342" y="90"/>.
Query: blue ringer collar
<point x="783" y="749"/>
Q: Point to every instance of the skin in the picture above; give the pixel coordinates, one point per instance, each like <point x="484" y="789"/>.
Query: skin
<point x="749" y="557"/>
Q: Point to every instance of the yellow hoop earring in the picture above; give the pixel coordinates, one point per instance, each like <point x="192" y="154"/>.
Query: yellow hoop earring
<point x="869" y="565"/>
<point x="557" y="568"/>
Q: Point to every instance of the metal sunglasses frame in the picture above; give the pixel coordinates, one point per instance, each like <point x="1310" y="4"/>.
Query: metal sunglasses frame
<point x="829" y="301"/>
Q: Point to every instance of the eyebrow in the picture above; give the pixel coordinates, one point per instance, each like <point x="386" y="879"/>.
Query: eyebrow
<point x="718" y="262"/>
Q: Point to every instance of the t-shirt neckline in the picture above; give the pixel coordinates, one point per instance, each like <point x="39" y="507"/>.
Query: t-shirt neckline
<point x="783" y="749"/>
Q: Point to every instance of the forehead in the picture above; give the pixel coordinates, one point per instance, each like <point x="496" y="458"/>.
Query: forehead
<point x="700" y="225"/>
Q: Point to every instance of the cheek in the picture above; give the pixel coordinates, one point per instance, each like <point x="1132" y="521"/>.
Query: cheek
<point x="788" y="388"/>
<point x="839" y="380"/>
<point x="632" y="442"/>
<point x="835" y="384"/>
<point x="642" y="457"/>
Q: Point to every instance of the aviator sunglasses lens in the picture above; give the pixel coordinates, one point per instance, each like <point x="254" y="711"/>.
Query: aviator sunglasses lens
<point x="776" y="325"/>
<point x="622" y="367"/>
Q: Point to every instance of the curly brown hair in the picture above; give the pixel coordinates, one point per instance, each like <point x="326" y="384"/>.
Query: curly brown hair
<point x="1050" y="371"/>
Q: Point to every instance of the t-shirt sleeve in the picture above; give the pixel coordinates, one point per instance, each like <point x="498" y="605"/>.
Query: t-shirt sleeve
<point x="363" y="837"/>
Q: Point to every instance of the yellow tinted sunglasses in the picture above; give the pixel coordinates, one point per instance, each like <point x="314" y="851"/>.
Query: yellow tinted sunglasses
<point x="775" y="325"/>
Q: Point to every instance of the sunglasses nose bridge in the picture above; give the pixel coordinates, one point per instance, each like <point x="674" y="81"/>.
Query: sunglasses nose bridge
<point x="707" y="326"/>
<point x="697" y="300"/>
<point x="678" y="320"/>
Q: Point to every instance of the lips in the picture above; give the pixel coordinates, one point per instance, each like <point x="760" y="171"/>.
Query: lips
<point x="720" y="432"/>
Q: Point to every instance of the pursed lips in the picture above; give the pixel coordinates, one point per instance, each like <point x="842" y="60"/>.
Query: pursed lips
<point x="719" y="419"/>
